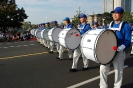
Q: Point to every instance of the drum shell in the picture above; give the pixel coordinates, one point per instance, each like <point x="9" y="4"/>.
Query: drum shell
<point x="42" y="33"/>
<point x="36" y="32"/>
<point x="89" y="45"/>
<point x="50" y="34"/>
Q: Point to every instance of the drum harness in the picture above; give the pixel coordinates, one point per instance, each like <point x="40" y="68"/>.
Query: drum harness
<point x="116" y="29"/>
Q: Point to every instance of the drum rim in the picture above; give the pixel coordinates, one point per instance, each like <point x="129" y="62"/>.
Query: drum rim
<point x="79" y="43"/>
<point x="96" y="46"/>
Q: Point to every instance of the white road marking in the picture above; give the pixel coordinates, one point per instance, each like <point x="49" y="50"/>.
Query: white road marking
<point x="32" y="44"/>
<point x="92" y="79"/>
<point x="5" y="47"/>
<point x="25" y="45"/>
<point x="11" y="46"/>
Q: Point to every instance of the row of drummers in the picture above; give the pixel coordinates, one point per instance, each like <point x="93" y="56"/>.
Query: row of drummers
<point x="83" y="41"/>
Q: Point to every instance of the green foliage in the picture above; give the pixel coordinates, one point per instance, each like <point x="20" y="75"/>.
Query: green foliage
<point x="128" y="17"/>
<point x="75" y="19"/>
<point x="10" y="15"/>
<point x="107" y="17"/>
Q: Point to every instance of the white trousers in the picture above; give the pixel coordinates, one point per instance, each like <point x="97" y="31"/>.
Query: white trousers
<point x="57" y="47"/>
<point x="48" y="44"/>
<point x="44" y="43"/>
<point x="61" y="50"/>
<point x="118" y="67"/>
<point x="76" y="56"/>
<point x="51" y="46"/>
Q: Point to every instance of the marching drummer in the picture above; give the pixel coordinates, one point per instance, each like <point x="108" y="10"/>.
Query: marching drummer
<point x="96" y="25"/>
<point x="47" y="27"/>
<point x="67" y="24"/>
<point x="123" y="33"/>
<point x="55" y="25"/>
<point x="83" y="28"/>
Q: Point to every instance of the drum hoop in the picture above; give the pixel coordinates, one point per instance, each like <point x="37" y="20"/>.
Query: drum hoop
<point x="96" y="46"/>
<point x="79" y="43"/>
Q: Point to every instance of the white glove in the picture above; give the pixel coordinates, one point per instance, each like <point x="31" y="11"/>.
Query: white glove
<point x="121" y="48"/>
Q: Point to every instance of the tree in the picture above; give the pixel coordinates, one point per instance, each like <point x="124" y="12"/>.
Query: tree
<point x="75" y="19"/>
<point x="128" y="17"/>
<point x="10" y="14"/>
<point x="107" y="17"/>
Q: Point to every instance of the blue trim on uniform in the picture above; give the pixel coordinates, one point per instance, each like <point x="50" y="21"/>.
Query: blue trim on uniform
<point x="86" y="28"/>
<point x="124" y="35"/>
<point x="47" y="28"/>
<point x="69" y="26"/>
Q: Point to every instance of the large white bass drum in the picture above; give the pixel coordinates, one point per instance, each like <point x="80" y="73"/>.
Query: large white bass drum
<point x="39" y="34"/>
<point x="53" y="34"/>
<point x="45" y="34"/>
<point x="99" y="45"/>
<point x="69" y="38"/>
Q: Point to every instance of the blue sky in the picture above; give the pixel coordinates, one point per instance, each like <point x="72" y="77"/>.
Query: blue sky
<point x="38" y="10"/>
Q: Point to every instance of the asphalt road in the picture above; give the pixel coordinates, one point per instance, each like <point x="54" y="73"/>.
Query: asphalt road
<point x="28" y="65"/>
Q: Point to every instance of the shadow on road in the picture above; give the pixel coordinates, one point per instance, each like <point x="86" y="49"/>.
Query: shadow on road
<point x="128" y="62"/>
<point x="130" y="85"/>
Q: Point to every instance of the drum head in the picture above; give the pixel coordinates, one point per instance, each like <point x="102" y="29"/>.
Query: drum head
<point x="45" y="35"/>
<point x="73" y="39"/>
<point x="104" y="45"/>
<point x="39" y="34"/>
<point x="55" y="34"/>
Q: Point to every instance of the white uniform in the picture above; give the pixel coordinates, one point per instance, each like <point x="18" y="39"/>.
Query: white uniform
<point x="76" y="55"/>
<point x="118" y="66"/>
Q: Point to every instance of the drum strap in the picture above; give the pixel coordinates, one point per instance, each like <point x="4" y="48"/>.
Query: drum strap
<point x="82" y="27"/>
<point x="116" y="29"/>
<point x="66" y="26"/>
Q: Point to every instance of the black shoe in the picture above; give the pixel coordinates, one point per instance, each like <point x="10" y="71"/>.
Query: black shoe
<point x="57" y="58"/>
<point x="84" y="69"/>
<point x="51" y="52"/>
<point x="48" y="49"/>
<point x="70" y="59"/>
<point x="131" y="54"/>
<point x="72" y="70"/>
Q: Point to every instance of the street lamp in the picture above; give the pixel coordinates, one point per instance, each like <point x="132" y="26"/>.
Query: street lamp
<point x="46" y="18"/>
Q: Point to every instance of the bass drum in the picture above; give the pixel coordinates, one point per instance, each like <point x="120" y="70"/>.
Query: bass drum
<point x="99" y="45"/>
<point x="69" y="38"/>
<point x="53" y="34"/>
<point x="45" y="34"/>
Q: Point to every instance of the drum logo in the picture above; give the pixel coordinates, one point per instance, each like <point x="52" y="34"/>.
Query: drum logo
<point x="88" y="40"/>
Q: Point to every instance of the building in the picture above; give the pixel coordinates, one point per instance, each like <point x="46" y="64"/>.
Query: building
<point x="94" y="18"/>
<point x="109" y="5"/>
<point x="125" y="4"/>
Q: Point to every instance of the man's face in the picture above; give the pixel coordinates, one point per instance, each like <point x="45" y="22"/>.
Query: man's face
<point x="54" y="24"/>
<point x="117" y="16"/>
<point x="95" y="25"/>
<point x="82" y="20"/>
<point x="65" y="22"/>
<point x="46" y="25"/>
